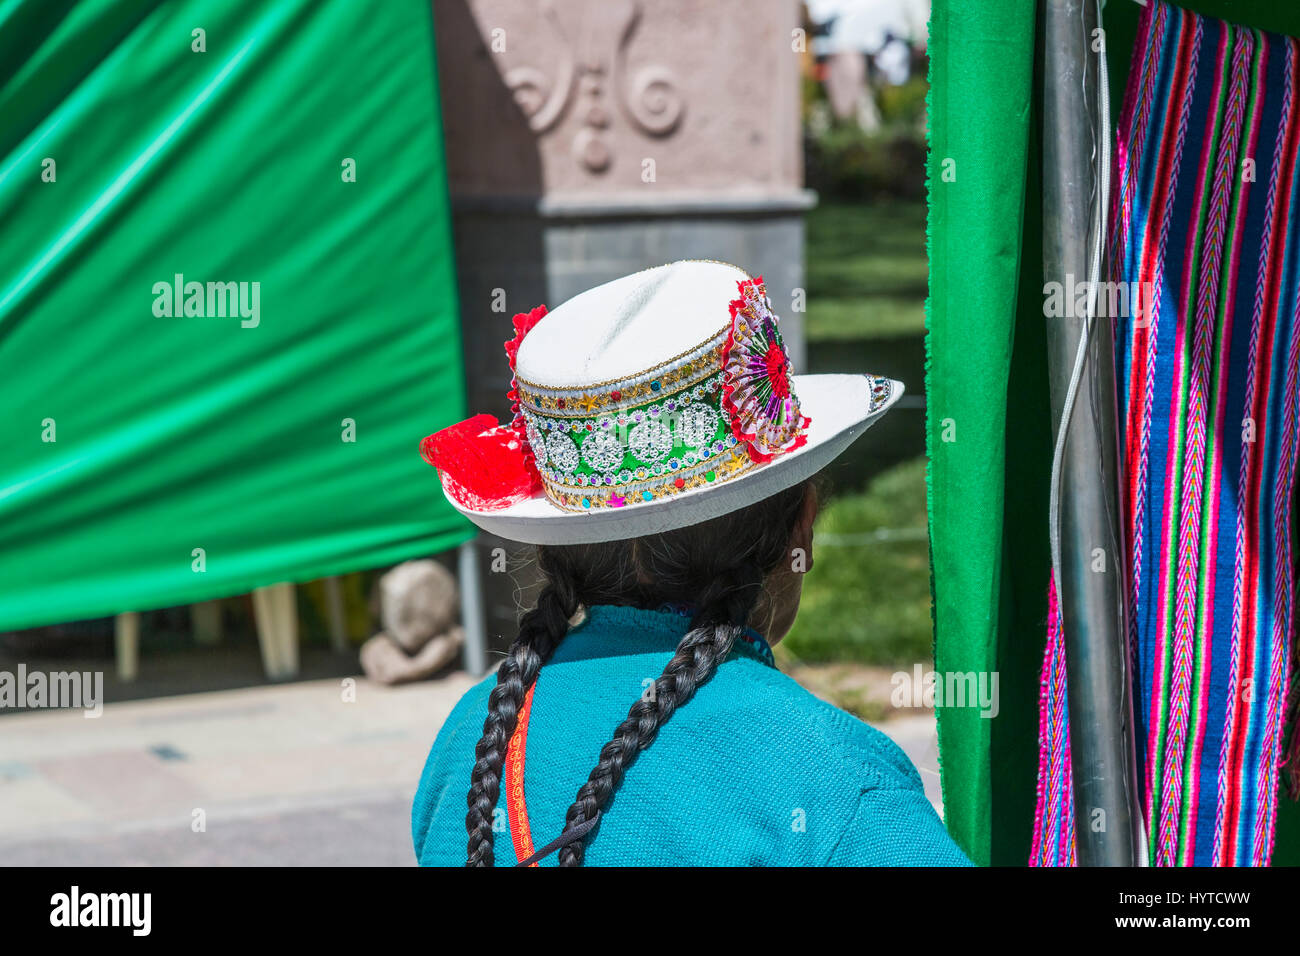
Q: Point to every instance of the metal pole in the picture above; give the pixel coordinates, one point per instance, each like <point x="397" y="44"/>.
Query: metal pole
<point x="471" y="609"/>
<point x="1092" y="559"/>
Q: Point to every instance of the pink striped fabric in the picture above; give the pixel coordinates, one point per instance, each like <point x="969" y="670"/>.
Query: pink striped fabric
<point x="1206" y="239"/>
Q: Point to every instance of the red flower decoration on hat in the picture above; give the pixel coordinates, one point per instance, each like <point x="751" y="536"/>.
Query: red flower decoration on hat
<point x="484" y="466"/>
<point x="757" y="393"/>
<point x="523" y="322"/>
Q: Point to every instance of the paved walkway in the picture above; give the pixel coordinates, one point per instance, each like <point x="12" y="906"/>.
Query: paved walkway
<point x="288" y="774"/>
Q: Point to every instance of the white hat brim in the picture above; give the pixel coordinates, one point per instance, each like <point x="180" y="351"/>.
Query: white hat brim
<point x="840" y="409"/>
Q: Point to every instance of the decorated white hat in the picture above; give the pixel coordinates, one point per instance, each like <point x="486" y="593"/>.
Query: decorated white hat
<point x="652" y="402"/>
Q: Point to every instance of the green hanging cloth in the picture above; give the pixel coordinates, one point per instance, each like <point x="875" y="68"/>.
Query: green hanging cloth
<point x="980" y="179"/>
<point x="227" y="299"/>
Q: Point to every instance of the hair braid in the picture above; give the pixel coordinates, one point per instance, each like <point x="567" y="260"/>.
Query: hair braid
<point x="540" y="632"/>
<point x="725" y="605"/>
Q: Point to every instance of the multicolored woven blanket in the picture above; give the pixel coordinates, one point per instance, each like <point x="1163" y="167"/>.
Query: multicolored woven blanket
<point x="1206" y="239"/>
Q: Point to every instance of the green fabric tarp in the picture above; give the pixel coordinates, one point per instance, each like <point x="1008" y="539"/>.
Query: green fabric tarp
<point x="981" y="81"/>
<point x="988" y="414"/>
<point x="149" y="458"/>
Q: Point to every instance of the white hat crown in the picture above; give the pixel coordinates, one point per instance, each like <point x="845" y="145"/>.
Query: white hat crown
<point x="624" y="327"/>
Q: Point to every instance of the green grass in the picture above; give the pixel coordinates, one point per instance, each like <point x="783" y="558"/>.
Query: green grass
<point x="866" y="270"/>
<point x="867" y="596"/>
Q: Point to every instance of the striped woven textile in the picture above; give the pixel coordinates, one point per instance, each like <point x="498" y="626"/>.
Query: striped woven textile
<point x="1054" y="821"/>
<point x="1206" y="227"/>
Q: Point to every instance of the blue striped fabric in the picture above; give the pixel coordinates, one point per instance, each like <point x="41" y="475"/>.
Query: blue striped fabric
<point x="1205" y="227"/>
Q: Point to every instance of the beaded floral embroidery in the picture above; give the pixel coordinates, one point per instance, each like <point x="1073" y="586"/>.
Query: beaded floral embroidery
<point x="643" y="437"/>
<point x="757" y="393"/>
<point x="632" y="442"/>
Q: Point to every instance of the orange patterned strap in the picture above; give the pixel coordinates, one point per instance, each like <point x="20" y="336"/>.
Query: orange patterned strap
<point x="514" y="782"/>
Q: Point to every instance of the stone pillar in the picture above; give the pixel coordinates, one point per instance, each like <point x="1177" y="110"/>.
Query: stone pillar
<point x="587" y="139"/>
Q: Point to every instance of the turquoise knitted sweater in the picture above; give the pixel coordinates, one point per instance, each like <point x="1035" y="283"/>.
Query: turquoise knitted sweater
<point x="753" y="770"/>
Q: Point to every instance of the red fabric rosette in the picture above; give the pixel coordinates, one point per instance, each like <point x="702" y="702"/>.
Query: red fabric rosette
<point x="483" y="465"/>
<point x="523" y="322"/>
<point x="757" y="393"/>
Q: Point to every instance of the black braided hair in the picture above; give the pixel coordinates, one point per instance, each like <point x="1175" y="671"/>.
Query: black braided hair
<point x="724" y="608"/>
<point x="540" y="632"/>
<point x="718" y="567"/>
